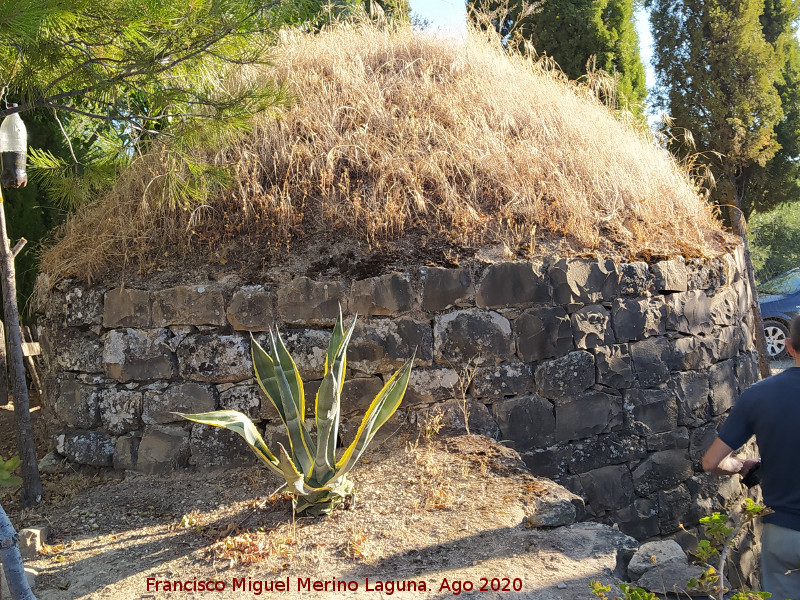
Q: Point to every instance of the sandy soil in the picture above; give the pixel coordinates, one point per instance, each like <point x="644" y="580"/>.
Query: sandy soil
<point x="441" y="515"/>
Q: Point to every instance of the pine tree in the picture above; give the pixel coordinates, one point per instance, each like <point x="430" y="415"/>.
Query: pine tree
<point x="573" y="31"/>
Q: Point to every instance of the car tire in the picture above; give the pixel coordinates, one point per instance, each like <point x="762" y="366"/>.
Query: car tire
<point x="777" y="333"/>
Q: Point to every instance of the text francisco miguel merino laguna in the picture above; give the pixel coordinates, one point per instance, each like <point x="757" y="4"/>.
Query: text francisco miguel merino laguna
<point x="300" y="584"/>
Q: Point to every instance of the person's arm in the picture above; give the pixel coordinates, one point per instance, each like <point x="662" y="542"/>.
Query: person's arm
<point x="718" y="460"/>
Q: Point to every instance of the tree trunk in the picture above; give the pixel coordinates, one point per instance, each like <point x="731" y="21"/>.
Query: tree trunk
<point x="31" y="482"/>
<point x="11" y="560"/>
<point x="739" y="226"/>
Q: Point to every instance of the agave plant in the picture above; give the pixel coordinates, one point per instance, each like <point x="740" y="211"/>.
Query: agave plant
<point x="316" y="480"/>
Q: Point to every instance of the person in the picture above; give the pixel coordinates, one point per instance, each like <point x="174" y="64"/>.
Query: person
<point x="770" y="410"/>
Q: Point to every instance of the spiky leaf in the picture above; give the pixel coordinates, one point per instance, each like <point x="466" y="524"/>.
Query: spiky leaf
<point x="383" y="406"/>
<point x="241" y="424"/>
<point x="303" y="448"/>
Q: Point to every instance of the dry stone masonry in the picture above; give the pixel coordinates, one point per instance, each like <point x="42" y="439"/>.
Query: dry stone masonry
<point x="608" y="377"/>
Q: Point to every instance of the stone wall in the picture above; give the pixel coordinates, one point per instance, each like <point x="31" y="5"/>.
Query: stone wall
<point x="607" y="377"/>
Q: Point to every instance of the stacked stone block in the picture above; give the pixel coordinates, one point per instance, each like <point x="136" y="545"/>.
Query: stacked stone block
<point x="609" y="377"/>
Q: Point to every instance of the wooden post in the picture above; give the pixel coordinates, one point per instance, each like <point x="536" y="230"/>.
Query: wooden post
<point x="4" y="397"/>
<point x="11" y="561"/>
<point x="31" y="481"/>
<point x="29" y="350"/>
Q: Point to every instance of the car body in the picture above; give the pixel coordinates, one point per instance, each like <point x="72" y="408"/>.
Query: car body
<point x="779" y="298"/>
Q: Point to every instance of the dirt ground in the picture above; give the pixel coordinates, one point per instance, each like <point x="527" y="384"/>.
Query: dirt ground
<point x="436" y="516"/>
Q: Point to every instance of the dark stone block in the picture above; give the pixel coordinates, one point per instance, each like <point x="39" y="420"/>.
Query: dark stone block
<point x="651" y="359"/>
<point x="217" y="447"/>
<point x="250" y="309"/>
<point x="189" y="305"/>
<point x="747" y="371"/>
<point x="470" y="334"/>
<point x="564" y="377"/>
<point x="662" y="470"/>
<point x="387" y="295"/>
<point x="383" y="345"/>
<point x="214" y="358"/>
<point x="76" y="405"/>
<point x="674" y="507"/>
<point x="691" y="389"/>
<point x="700" y="440"/>
<point x="638" y="520"/>
<point x="246" y="399"/>
<point x="123" y="307"/>
<point x="442" y="288"/>
<point x="358" y="393"/>
<point x="608" y="488"/>
<point x="584" y="280"/>
<point x="528" y="421"/>
<point x="83" y="306"/>
<point x="669" y="440"/>
<point x="587" y="414"/>
<point x="692" y="353"/>
<point x="670" y="275"/>
<point x="139" y="355"/>
<point x="120" y="410"/>
<point x="635" y="278"/>
<point x="689" y="312"/>
<point x="163" y="449"/>
<point x="304" y="301"/>
<point x="722" y="381"/>
<point x="548" y="462"/>
<point x="636" y="319"/>
<point x="543" y="333"/>
<point x="591" y="327"/>
<point x="724" y="307"/>
<point x="614" y="366"/>
<point x="506" y="379"/>
<point x="651" y="411"/>
<point x="160" y="406"/>
<point x="726" y="343"/>
<point x="613" y="448"/>
<point x="86" y="448"/>
<point x="428" y="385"/>
<point x="513" y="284"/>
<point x="125" y="452"/>
<point x="74" y="350"/>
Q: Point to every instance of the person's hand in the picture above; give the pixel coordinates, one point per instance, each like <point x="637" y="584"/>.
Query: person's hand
<point x="748" y="464"/>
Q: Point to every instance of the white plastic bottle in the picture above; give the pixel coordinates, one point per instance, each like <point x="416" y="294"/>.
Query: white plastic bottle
<point x="14" y="147"/>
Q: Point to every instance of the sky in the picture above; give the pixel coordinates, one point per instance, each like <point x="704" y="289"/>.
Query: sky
<point x="450" y="17"/>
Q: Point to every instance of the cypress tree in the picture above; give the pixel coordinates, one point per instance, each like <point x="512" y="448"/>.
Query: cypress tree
<point x="573" y="31"/>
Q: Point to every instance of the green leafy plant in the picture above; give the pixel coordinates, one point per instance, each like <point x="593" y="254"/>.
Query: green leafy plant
<point x="629" y="593"/>
<point x="316" y="480"/>
<point x="721" y="529"/>
<point x="7" y="467"/>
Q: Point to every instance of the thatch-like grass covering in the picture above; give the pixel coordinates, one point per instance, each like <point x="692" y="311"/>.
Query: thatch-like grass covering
<point x="391" y="132"/>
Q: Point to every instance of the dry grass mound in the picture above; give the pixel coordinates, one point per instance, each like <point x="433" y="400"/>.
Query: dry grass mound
<point x="392" y="132"/>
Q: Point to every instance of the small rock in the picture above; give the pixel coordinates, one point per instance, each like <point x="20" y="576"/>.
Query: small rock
<point x="658" y="553"/>
<point x="31" y="540"/>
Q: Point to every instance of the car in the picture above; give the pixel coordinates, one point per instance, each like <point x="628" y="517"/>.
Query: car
<point x="779" y="298"/>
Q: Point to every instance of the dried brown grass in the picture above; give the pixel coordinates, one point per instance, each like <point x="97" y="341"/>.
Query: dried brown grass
<point x="391" y="131"/>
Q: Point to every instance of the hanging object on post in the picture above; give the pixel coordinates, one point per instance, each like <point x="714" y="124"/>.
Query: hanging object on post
<point x="13" y="148"/>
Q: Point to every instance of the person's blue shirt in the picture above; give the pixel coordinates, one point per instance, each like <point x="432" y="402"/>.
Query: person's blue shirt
<point x="770" y="410"/>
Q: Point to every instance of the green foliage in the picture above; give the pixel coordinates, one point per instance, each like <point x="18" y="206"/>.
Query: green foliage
<point x="313" y="476"/>
<point x="7" y="479"/>
<point x="123" y="73"/>
<point x="628" y="592"/>
<point x="574" y="31"/>
<point x="775" y="240"/>
<point x="728" y="73"/>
